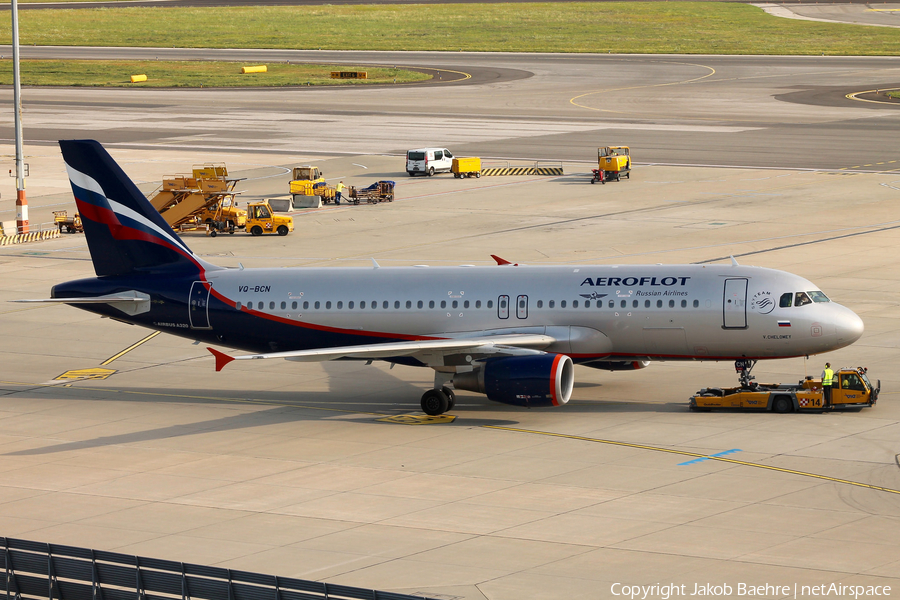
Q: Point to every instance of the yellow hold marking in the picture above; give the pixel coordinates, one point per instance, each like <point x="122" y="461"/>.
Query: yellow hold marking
<point x="129" y="348"/>
<point x="95" y="373"/>
<point x="418" y="419"/>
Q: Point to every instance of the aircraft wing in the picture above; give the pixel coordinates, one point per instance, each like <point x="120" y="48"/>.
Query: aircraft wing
<point x="506" y="344"/>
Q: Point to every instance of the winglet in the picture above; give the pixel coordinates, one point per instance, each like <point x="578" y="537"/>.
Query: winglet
<point x="222" y="359"/>
<point x="503" y="261"/>
<point x="734" y="263"/>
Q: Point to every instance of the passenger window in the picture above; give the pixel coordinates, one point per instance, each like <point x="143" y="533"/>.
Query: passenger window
<point x="634" y="304"/>
<point x="490" y="304"/>
<point x="818" y="296"/>
<point x="552" y="303"/>
<point x="294" y="305"/>
<point x="362" y="304"/>
<point x="575" y="304"/>
<point x="684" y="304"/>
<point x="612" y="303"/>
<point x="785" y="301"/>
<point x="431" y="304"/>
<point x="562" y="303"/>
<point x="696" y="303"/>
<point x="801" y="299"/>
<point x="271" y="306"/>
<point x="659" y="304"/>
<point x="478" y="304"/>
<point x="317" y="305"/>
<point x="384" y="304"/>
<point x="350" y="305"/>
<point x="623" y="303"/>
<point x="328" y="305"/>
<point x="443" y="304"/>
<point x="466" y="304"/>
<point x="283" y="305"/>
<point x="646" y="304"/>
<point x="340" y="304"/>
<point x="587" y="303"/>
<point x="237" y="305"/>
<point x="396" y="304"/>
<point x="671" y="304"/>
<point x="420" y="304"/>
<point x="455" y="304"/>
<point x="438" y="155"/>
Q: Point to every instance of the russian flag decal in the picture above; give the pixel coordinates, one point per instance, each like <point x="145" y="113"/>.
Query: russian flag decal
<point x="784" y="323"/>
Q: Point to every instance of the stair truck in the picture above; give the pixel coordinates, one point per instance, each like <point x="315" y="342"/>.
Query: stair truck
<point x="851" y="390"/>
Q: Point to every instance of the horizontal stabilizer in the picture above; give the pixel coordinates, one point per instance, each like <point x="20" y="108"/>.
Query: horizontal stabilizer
<point x="131" y="302"/>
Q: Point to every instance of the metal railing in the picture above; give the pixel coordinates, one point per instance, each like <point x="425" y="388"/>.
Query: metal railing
<point x="36" y="570"/>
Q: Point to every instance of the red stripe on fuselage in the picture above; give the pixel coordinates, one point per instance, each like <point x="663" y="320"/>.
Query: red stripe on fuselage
<point x="313" y="326"/>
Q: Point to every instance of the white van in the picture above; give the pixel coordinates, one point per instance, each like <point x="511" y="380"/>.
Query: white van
<point x="428" y="161"/>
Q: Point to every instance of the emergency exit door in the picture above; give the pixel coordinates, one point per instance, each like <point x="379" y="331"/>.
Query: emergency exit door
<point x="198" y="305"/>
<point x="734" y="304"/>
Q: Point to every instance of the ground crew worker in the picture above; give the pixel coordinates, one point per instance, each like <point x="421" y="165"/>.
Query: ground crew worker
<point x="827" y="380"/>
<point x="337" y="195"/>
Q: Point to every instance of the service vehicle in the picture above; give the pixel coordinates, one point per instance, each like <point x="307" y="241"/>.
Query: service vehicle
<point x="223" y="216"/>
<point x="262" y="219"/>
<point x="851" y="390"/>
<point x="466" y="167"/>
<point x="310" y="181"/>
<point x="205" y="199"/>
<point x="304" y="177"/>
<point x="380" y="191"/>
<point x="64" y="221"/>
<point x="613" y="162"/>
<point x="428" y="161"/>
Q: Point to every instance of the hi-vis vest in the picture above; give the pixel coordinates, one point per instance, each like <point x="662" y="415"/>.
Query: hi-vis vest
<point x="829" y="376"/>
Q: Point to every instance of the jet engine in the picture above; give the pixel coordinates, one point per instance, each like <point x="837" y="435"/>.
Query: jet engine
<point x="538" y="380"/>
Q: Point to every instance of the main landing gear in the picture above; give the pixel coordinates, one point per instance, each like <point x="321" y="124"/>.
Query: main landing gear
<point x="438" y="401"/>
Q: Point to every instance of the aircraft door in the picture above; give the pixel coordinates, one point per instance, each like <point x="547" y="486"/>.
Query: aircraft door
<point x="522" y="307"/>
<point x="198" y="306"/>
<point x="734" y="304"/>
<point x="503" y="307"/>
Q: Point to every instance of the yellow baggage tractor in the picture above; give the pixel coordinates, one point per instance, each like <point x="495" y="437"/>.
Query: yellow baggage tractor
<point x="851" y="390"/>
<point x="466" y="167"/>
<point x="613" y="162"/>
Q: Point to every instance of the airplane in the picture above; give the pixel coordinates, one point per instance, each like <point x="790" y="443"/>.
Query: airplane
<point x="512" y="332"/>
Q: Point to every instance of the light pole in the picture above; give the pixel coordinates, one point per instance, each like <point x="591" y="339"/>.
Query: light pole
<point x="21" y="202"/>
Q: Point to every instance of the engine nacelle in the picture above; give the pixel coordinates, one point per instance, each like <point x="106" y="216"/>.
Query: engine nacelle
<point x="539" y="380"/>
<point x="617" y="365"/>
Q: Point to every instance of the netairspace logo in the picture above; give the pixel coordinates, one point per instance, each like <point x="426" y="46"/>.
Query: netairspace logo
<point x="767" y="590"/>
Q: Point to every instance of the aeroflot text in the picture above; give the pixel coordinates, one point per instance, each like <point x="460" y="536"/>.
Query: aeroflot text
<point x="629" y="281"/>
<point x="664" y="592"/>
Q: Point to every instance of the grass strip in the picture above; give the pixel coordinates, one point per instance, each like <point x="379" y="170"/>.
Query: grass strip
<point x="117" y="73"/>
<point x="617" y="27"/>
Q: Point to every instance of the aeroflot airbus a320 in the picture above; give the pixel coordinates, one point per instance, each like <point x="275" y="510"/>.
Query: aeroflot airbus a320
<point x="511" y="332"/>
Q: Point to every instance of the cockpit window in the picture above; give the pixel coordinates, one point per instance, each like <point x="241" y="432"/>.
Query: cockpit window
<point x="818" y="296"/>
<point x="801" y="299"/>
<point x="786" y="300"/>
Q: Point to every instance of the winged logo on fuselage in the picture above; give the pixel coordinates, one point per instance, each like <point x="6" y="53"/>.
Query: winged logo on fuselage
<point x="593" y="296"/>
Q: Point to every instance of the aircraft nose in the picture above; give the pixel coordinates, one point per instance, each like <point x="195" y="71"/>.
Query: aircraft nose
<point x="849" y="327"/>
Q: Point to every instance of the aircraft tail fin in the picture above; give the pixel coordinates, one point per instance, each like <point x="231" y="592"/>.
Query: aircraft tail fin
<point x="124" y="232"/>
